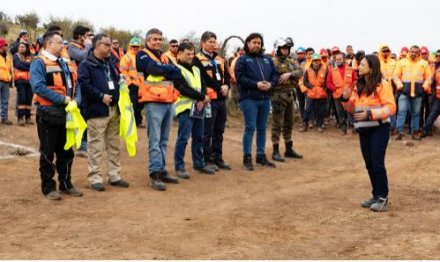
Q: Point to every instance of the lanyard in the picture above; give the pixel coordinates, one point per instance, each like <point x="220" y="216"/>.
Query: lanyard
<point x="261" y="69"/>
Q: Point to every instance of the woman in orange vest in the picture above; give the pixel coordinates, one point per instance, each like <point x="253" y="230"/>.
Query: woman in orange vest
<point x="22" y="63"/>
<point x="372" y="104"/>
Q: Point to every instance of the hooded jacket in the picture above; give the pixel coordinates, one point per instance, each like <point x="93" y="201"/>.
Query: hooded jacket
<point x="387" y="66"/>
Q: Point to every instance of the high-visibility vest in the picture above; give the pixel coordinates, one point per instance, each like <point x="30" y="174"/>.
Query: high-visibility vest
<point x="5" y="68"/>
<point x="195" y="82"/>
<point x="119" y="54"/>
<point x="156" y="88"/>
<point x="437" y="83"/>
<point x="128" y="69"/>
<point x="21" y="74"/>
<point x="387" y="68"/>
<point x="210" y="92"/>
<point x="127" y="123"/>
<point x="75" y="125"/>
<point x="339" y="82"/>
<point x="381" y="104"/>
<point x="318" y="82"/>
<point x="169" y="56"/>
<point x="412" y="73"/>
<point x="55" y="80"/>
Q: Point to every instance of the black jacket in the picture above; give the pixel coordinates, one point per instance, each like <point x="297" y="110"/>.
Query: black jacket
<point x="185" y="90"/>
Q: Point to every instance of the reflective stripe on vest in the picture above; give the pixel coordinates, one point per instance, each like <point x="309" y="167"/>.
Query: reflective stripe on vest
<point x="317" y="92"/>
<point x="194" y="81"/>
<point x="210" y="92"/>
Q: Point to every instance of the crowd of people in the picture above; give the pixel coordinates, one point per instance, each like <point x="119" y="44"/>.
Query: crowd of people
<point x="374" y="94"/>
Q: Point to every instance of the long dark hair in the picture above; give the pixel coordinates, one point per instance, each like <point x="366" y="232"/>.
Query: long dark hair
<point x="250" y="38"/>
<point x="369" y="85"/>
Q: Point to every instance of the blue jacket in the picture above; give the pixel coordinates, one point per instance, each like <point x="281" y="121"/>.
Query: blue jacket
<point x="148" y="66"/>
<point x="251" y="69"/>
<point x="93" y="79"/>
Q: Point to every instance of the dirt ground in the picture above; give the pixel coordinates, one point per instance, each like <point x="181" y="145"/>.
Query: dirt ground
<point x="306" y="209"/>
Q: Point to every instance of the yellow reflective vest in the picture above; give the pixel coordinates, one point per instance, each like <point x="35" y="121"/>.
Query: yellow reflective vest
<point x="75" y="125"/>
<point x="127" y="123"/>
<point x="412" y="77"/>
<point x="194" y="81"/>
<point x="5" y="68"/>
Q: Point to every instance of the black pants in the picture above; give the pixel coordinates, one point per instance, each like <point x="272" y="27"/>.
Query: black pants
<point x="24" y="99"/>
<point x="374" y="142"/>
<point x="301" y="103"/>
<point x="317" y="107"/>
<point x="213" y="133"/>
<point x="52" y="141"/>
<point x="137" y="108"/>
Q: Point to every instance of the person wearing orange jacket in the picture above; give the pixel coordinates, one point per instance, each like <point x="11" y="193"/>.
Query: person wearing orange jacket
<point x="116" y="53"/>
<point x="171" y="54"/>
<point x="22" y="63"/>
<point x="412" y="77"/>
<point x="315" y="81"/>
<point x="5" y="80"/>
<point x="372" y="104"/>
<point x="340" y="76"/>
<point x="129" y="71"/>
<point x="435" y="110"/>
<point x="387" y="66"/>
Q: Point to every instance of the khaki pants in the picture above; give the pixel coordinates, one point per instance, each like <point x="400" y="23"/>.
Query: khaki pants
<point x="103" y="134"/>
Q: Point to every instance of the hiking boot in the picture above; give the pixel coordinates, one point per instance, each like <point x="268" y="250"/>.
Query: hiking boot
<point x="29" y="122"/>
<point x="166" y="178"/>
<point x="98" y="186"/>
<point x="367" y="203"/>
<point x="182" y="174"/>
<point x="72" y="191"/>
<point x="381" y="205"/>
<point x="54" y="195"/>
<point x="156" y="183"/>
<point x="262" y="160"/>
<point x="21" y="122"/>
<point x="207" y="170"/>
<point x="304" y="127"/>
<point x="120" y="183"/>
<point x="276" y="154"/>
<point x="398" y="136"/>
<point x="247" y="162"/>
<point x="417" y="136"/>
<point x="6" y="122"/>
<point x="290" y="152"/>
<point x="222" y="165"/>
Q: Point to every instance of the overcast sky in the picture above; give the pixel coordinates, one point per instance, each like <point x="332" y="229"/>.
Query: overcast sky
<point x="317" y="23"/>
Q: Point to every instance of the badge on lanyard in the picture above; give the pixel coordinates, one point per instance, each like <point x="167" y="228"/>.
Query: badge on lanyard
<point x="111" y="85"/>
<point x="219" y="78"/>
<point x="69" y="83"/>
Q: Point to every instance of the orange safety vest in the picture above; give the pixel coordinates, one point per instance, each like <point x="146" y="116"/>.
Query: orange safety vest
<point x="20" y="74"/>
<point x="162" y="92"/>
<point x="340" y="83"/>
<point x="210" y="92"/>
<point x="5" y="68"/>
<point x="437" y="83"/>
<point x="55" y="80"/>
<point x="318" y="81"/>
<point x="128" y="69"/>
<point x="169" y="56"/>
<point x="118" y="54"/>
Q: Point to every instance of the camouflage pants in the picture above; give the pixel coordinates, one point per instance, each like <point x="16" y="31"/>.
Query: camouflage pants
<point x="282" y="116"/>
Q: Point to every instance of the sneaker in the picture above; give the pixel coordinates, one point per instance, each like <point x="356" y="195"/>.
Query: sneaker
<point x="207" y="170"/>
<point x="120" y="183"/>
<point x="156" y="183"/>
<point x="222" y="165"/>
<point x="262" y="160"/>
<point x="21" y="122"/>
<point x="72" y="191"/>
<point x="247" y="162"/>
<point x="54" y="195"/>
<point x="381" y="205"/>
<point x="166" y="178"/>
<point x="367" y="203"/>
<point x="212" y="165"/>
<point x="81" y="153"/>
<point x="97" y="187"/>
<point x="182" y="174"/>
<point x="6" y="122"/>
<point x="417" y="136"/>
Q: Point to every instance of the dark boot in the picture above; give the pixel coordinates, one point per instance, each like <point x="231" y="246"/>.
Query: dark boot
<point x="276" y="154"/>
<point x="155" y="181"/>
<point x="247" y="162"/>
<point x="166" y="178"/>
<point x="262" y="160"/>
<point x="290" y="152"/>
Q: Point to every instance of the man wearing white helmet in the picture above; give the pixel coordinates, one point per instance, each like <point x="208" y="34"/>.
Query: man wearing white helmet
<point x="282" y="98"/>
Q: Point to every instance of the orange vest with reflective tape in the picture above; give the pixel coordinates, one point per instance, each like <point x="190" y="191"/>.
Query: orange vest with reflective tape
<point x="20" y="74"/>
<point x="128" y="69"/>
<point x="339" y="82"/>
<point x="318" y="81"/>
<point x="55" y="80"/>
<point x="210" y="92"/>
<point x="161" y="92"/>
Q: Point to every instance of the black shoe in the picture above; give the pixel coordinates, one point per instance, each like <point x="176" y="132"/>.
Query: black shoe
<point x="207" y="170"/>
<point x="166" y="178"/>
<point x="247" y="162"/>
<point x="262" y="160"/>
<point x="156" y="183"/>
<point x="72" y="191"/>
<point x="290" y="152"/>
<point x="120" y="183"/>
<point x="276" y="154"/>
<point x="222" y="165"/>
<point x="97" y="187"/>
<point x="367" y="203"/>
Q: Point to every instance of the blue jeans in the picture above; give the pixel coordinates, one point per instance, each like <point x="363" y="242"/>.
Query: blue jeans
<point x="4" y="97"/>
<point x="194" y="127"/>
<point x="374" y="142"/>
<point x="408" y="103"/>
<point x="435" y="112"/>
<point x="255" y="113"/>
<point x="159" y="117"/>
